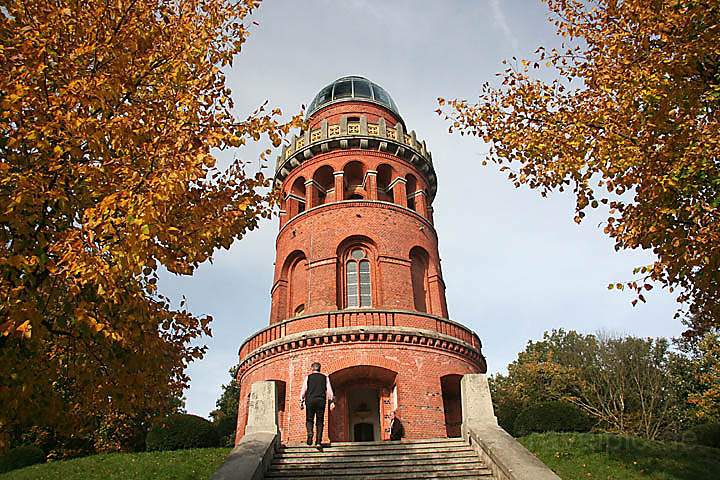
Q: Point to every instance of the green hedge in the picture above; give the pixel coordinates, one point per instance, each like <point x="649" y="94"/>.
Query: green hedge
<point x="21" y="457"/>
<point x="554" y="416"/>
<point x="707" y="434"/>
<point x="181" y="431"/>
<point x="225" y="427"/>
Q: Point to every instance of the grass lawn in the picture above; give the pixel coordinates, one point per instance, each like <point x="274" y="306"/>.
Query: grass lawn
<point x="196" y="464"/>
<point x="611" y="457"/>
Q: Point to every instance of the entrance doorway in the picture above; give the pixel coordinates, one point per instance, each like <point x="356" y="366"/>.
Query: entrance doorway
<point x="364" y="399"/>
<point x="364" y="410"/>
<point x="452" y="404"/>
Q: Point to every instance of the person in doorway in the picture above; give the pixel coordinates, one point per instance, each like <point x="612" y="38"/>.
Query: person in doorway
<point x="396" y="426"/>
<point x="316" y="392"/>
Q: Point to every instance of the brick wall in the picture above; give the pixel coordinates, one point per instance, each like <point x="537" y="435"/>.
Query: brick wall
<point x="418" y="371"/>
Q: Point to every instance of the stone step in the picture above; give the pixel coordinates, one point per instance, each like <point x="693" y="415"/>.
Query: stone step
<point x="377" y="457"/>
<point x="330" y="452"/>
<point x="384" y="443"/>
<point x="402" y="471"/>
<point x="479" y="474"/>
<point x="372" y="446"/>
<point x="440" y="463"/>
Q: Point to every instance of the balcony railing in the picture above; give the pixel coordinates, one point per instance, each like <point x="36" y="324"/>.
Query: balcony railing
<point x="359" y="318"/>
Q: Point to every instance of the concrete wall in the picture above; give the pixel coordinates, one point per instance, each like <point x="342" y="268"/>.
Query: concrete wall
<point x="507" y="458"/>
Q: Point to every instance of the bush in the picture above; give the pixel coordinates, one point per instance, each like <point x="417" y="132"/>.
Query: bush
<point x="506" y="413"/>
<point x="182" y="431"/>
<point x="20" y="457"/>
<point x="707" y="434"/>
<point x="225" y="428"/>
<point x="554" y="416"/>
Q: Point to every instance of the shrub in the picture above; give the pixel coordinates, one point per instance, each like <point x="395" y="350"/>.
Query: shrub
<point x="707" y="434"/>
<point x="225" y="427"/>
<point x="506" y="413"/>
<point x="182" y="431"/>
<point x="554" y="416"/>
<point x="20" y="457"/>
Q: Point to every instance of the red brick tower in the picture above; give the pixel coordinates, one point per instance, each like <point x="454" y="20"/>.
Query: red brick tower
<point x="358" y="285"/>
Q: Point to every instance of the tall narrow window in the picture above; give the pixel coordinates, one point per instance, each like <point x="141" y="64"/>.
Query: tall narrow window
<point x="357" y="275"/>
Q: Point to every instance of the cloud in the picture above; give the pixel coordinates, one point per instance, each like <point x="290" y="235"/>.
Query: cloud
<point x="501" y="22"/>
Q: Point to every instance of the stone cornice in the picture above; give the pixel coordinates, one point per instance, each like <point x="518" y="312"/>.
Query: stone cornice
<point x="393" y="140"/>
<point x="362" y="334"/>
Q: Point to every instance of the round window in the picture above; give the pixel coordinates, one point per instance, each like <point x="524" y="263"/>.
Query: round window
<point x="357" y="254"/>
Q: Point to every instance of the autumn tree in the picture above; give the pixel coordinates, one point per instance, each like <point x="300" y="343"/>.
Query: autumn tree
<point x="630" y="120"/>
<point x="703" y="374"/>
<point x="109" y="114"/>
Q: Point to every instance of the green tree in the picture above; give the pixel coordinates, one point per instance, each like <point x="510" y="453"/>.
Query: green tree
<point x="628" y="385"/>
<point x="225" y="416"/>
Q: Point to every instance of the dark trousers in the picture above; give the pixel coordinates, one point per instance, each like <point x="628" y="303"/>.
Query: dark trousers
<point x="315" y="413"/>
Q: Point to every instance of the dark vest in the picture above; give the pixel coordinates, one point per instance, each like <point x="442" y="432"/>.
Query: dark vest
<point x="316" y="386"/>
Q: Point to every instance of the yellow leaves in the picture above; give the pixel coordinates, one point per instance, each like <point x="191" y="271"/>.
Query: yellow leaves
<point x="145" y="232"/>
<point x="635" y="121"/>
<point x="107" y="140"/>
<point x="25" y="329"/>
<point x="16" y="261"/>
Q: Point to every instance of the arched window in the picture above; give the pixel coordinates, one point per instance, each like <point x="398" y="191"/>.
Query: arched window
<point x="418" y="272"/>
<point x="357" y="279"/>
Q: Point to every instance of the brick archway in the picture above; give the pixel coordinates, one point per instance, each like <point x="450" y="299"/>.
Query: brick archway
<point x="361" y="387"/>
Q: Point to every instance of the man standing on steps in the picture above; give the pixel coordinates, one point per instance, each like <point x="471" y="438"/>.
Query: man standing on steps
<point x="316" y="391"/>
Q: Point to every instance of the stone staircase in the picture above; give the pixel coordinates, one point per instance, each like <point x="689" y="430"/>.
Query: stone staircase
<point x="432" y="458"/>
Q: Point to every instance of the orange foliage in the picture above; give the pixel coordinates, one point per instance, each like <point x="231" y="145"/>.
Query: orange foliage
<point x="108" y="115"/>
<point x="707" y="400"/>
<point x="631" y="121"/>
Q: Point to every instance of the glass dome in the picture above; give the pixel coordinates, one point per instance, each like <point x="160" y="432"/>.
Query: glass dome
<point x="352" y="88"/>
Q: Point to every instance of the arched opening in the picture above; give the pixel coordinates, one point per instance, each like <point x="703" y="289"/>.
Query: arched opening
<point x="292" y="293"/>
<point x="452" y="404"/>
<point x="297" y="194"/>
<point x="419" y="273"/>
<point x="298" y="284"/>
<point x="411" y="188"/>
<point x="325" y="183"/>
<point x="364" y="401"/>
<point x="354" y="179"/>
<point x="384" y="177"/>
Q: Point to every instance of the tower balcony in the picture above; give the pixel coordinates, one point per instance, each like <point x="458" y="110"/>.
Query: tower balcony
<point x="361" y="325"/>
<point x="358" y="134"/>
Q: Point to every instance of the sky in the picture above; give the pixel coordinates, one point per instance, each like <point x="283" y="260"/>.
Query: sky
<point x="515" y="264"/>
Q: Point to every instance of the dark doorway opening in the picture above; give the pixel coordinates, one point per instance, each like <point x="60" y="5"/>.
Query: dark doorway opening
<point x="364" y="410"/>
<point x="452" y="404"/>
<point x="363" y="432"/>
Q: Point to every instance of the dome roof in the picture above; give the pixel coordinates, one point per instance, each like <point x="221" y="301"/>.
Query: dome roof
<point x="352" y="88"/>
